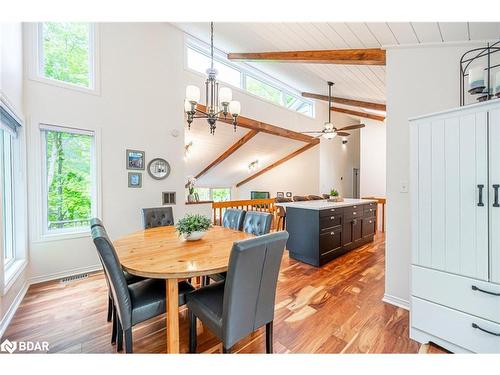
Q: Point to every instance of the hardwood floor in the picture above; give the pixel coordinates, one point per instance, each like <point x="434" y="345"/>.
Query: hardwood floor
<point x="334" y="309"/>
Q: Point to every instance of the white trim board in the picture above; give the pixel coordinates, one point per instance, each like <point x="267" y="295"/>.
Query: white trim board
<point x="396" y="301"/>
<point x="11" y="311"/>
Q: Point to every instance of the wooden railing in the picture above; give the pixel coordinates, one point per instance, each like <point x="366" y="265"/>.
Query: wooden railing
<point x="263" y="205"/>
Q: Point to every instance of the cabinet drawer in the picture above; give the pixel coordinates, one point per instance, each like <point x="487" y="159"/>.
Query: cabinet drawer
<point x="370" y="211"/>
<point x="371" y="205"/>
<point x="331" y="212"/>
<point x="456" y="292"/>
<point x="326" y="222"/>
<point x="330" y="240"/>
<point x="368" y="226"/>
<point x="353" y="211"/>
<point x="455" y="327"/>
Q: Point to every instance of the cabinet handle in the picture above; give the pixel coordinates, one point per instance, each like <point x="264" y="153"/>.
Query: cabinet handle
<point x="485" y="291"/>
<point x="474" y="325"/>
<point x="354" y="213"/>
<point x="495" y="188"/>
<point x="332" y="217"/>
<point x="332" y="233"/>
<point x="480" y="203"/>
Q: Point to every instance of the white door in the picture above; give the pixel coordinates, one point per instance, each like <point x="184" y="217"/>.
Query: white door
<point x="452" y="222"/>
<point x="494" y="149"/>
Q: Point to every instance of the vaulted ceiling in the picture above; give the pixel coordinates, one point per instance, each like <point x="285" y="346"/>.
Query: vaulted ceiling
<point x="358" y="82"/>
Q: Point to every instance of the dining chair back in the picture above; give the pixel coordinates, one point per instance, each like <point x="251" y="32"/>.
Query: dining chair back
<point x="96" y="221"/>
<point x="233" y="218"/>
<point x="250" y="287"/>
<point x="257" y="223"/>
<point x="157" y="217"/>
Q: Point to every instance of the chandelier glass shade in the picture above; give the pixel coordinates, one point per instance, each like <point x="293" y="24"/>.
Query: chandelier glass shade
<point x="219" y="101"/>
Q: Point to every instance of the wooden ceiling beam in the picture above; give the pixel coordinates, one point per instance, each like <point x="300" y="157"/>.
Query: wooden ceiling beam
<point x="231" y="150"/>
<point x="248" y="123"/>
<point x="279" y="162"/>
<point x="364" y="56"/>
<point x="359" y="114"/>
<point x="346" y="101"/>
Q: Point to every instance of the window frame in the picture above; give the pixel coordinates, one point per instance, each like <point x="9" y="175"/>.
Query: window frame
<point x="210" y="189"/>
<point x="7" y="262"/>
<point x="45" y="233"/>
<point x="245" y="70"/>
<point x="36" y="64"/>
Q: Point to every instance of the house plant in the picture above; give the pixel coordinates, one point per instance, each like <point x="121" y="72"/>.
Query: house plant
<point x="193" y="227"/>
<point x="334" y="196"/>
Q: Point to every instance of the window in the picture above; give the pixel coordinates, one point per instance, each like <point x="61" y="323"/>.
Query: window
<point x="200" y="62"/>
<point x="7" y="197"/>
<point x="69" y="179"/>
<point x="213" y="194"/>
<point x="66" y="52"/>
<point x="263" y="90"/>
<point x="248" y="78"/>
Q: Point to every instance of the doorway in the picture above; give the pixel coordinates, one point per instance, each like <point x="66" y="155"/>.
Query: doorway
<point x="355" y="182"/>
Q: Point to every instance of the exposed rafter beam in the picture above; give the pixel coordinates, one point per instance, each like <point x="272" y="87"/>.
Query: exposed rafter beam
<point x="366" y="56"/>
<point x="260" y="126"/>
<point x="231" y="150"/>
<point x="359" y="114"/>
<point x="281" y="161"/>
<point x="345" y="101"/>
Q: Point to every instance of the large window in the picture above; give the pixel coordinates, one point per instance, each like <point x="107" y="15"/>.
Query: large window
<point x="6" y="161"/>
<point x="250" y="80"/>
<point x="66" y="52"/>
<point x="69" y="179"/>
<point x="213" y="194"/>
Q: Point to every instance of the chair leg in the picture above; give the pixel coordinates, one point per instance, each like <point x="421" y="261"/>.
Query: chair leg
<point x="119" y="337"/>
<point x="110" y="309"/>
<point x="113" y="331"/>
<point x="204" y="280"/>
<point x="226" y="350"/>
<point x="192" y="332"/>
<point x="269" y="338"/>
<point x="128" y="341"/>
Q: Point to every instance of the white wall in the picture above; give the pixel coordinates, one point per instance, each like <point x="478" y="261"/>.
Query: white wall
<point x="373" y="161"/>
<point x="11" y="95"/>
<point x="337" y="160"/>
<point x="419" y="81"/>
<point x="140" y="103"/>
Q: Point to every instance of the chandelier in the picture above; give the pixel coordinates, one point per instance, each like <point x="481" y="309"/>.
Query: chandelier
<point x="218" y="101"/>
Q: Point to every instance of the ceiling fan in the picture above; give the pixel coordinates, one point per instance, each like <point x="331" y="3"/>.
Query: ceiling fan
<point x="329" y="131"/>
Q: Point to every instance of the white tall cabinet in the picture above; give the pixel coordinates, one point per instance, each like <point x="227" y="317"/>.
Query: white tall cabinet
<point x="455" y="227"/>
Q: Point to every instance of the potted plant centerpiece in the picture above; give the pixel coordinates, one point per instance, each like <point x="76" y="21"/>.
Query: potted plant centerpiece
<point x="334" y="196"/>
<point x="193" y="227"/>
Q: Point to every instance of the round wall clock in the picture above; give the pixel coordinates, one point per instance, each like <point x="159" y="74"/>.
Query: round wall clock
<point x="158" y="168"/>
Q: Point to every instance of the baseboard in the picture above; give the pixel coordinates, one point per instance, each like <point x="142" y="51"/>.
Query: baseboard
<point x="60" y="275"/>
<point x="396" y="301"/>
<point x="4" y="323"/>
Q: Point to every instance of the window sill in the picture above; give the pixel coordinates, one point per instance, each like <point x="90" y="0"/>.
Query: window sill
<point x="65" y="85"/>
<point x="12" y="273"/>
<point x="62" y="236"/>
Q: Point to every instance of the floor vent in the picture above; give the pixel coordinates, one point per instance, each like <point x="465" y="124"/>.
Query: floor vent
<point x="70" y="279"/>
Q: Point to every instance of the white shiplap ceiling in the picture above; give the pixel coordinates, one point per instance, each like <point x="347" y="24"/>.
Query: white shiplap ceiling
<point x="358" y="82"/>
<point x="263" y="147"/>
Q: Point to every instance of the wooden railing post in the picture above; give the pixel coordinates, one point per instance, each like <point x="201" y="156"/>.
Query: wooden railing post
<point x="261" y="205"/>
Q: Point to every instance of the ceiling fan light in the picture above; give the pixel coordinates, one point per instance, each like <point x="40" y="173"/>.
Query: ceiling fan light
<point x="330" y="135"/>
<point x="328" y="126"/>
<point x="188" y="107"/>
<point x="193" y="94"/>
<point x="225" y="95"/>
<point x="235" y="107"/>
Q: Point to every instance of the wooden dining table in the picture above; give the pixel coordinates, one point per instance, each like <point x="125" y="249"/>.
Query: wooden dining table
<point x="160" y="253"/>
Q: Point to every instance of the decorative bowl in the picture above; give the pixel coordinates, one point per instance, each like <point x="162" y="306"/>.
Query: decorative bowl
<point x="194" y="236"/>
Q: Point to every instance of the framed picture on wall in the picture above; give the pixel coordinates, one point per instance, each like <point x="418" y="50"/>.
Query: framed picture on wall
<point x="280" y="194"/>
<point x="134" y="180"/>
<point x="135" y="159"/>
<point x="288" y="194"/>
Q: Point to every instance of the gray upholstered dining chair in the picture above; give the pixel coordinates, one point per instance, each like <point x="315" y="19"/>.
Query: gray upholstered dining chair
<point x="128" y="277"/>
<point x="134" y="303"/>
<point x="157" y="217"/>
<point x="233" y="218"/>
<point x="245" y="301"/>
<point x="257" y="222"/>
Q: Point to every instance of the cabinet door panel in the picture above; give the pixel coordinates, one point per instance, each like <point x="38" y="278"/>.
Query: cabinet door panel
<point x="494" y="166"/>
<point x="424" y="195"/>
<point x="438" y="208"/>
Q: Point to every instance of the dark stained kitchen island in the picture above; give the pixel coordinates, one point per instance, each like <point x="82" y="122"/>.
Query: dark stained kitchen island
<point x="321" y="231"/>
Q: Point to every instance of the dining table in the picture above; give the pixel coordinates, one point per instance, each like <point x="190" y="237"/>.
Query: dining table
<point x="160" y="253"/>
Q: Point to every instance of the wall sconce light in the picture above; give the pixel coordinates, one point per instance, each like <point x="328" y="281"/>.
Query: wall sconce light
<point x="187" y="149"/>
<point x="253" y="166"/>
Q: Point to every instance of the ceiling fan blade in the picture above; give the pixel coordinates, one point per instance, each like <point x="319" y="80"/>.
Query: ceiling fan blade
<point x="352" y="127"/>
<point x="343" y="134"/>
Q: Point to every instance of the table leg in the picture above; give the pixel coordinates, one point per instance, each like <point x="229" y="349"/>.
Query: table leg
<point x="172" y="316"/>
